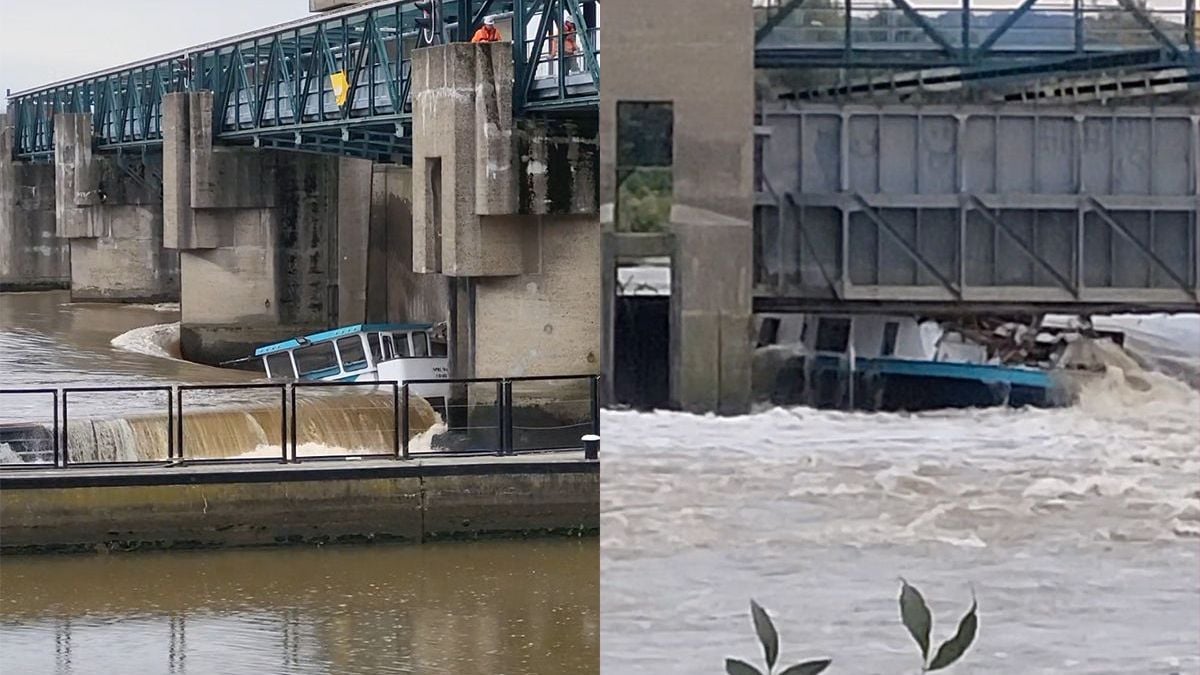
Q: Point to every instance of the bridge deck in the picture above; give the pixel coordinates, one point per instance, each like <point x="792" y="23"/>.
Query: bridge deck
<point x="337" y="83"/>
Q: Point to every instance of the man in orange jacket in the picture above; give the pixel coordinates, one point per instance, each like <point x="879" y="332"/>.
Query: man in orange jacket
<point x="487" y="32"/>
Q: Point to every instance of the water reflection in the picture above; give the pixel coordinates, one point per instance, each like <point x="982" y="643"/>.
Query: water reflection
<point x="481" y="607"/>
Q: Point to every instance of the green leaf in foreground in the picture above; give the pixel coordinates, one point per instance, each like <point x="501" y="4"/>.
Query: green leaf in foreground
<point x="915" y="615"/>
<point x="766" y="633"/>
<point x="735" y="667"/>
<point x="808" y="667"/>
<point x="952" y="649"/>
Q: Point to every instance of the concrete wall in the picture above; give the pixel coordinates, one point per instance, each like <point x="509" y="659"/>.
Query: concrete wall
<point x="109" y="210"/>
<point x="32" y="256"/>
<point x="257" y="232"/>
<point x="93" y="509"/>
<point x="546" y="321"/>
<point x="702" y="56"/>
<point x="376" y="281"/>
<point x="508" y="211"/>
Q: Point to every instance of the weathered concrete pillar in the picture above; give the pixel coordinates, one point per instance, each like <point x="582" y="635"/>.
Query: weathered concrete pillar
<point x="704" y="69"/>
<point x="510" y="213"/>
<point x="257" y="236"/>
<point x="109" y="210"/>
<point x="32" y="256"/>
<point x="376" y="282"/>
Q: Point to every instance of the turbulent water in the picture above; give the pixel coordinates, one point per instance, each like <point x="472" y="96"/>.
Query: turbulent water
<point x="1078" y="530"/>
<point x="478" y="608"/>
<point x="47" y="341"/>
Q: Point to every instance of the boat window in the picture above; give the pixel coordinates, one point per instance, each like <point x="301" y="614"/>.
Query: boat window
<point x="889" y="338"/>
<point x="420" y="342"/>
<point x="833" y="335"/>
<point x="318" y="360"/>
<point x="768" y="331"/>
<point x="351" y="350"/>
<point x="438" y="348"/>
<point x="400" y="342"/>
<point x="279" y="365"/>
<point x="381" y="347"/>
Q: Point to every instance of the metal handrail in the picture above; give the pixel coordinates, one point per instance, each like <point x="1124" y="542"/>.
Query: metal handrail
<point x="401" y="394"/>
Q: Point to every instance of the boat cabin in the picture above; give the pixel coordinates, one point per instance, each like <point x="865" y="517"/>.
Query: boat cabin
<point x="362" y="353"/>
<point x="864" y="335"/>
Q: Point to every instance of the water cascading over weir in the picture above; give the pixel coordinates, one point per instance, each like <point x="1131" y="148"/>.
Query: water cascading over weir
<point x="325" y="424"/>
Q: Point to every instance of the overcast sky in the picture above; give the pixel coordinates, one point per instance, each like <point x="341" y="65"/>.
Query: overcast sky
<point x="46" y="40"/>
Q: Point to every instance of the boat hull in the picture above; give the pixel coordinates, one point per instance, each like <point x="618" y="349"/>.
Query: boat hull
<point x="909" y="385"/>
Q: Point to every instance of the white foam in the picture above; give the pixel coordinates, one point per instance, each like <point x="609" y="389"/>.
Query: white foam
<point x="159" y="340"/>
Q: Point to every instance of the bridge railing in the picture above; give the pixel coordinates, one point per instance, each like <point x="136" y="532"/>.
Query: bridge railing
<point x="294" y="422"/>
<point x="338" y="83"/>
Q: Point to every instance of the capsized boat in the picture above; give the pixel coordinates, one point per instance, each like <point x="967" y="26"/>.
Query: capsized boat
<point x="896" y="362"/>
<point x="381" y="352"/>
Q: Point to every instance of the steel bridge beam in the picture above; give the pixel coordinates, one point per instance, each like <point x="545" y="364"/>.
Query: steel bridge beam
<point x="350" y="69"/>
<point x="788" y="38"/>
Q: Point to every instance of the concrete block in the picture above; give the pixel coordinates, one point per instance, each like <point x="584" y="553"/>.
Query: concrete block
<point x="177" y="171"/>
<point x="465" y="504"/>
<point x="495" y="161"/>
<point x="132" y="267"/>
<point x="232" y="285"/>
<point x="354" y="207"/>
<point x="546" y="321"/>
<point x="406" y="295"/>
<point x="462" y="156"/>
<point x="75" y="178"/>
<point x="32" y="256"/>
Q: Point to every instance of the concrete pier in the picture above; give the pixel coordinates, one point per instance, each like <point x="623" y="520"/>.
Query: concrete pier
<point x="710" y="231"/>
<point x="157" y="508"/>
<point x="509" y="213"/>
<point x="32" y="256"/>
<point x="108" y="208"/>
<point x="256" y="235"/>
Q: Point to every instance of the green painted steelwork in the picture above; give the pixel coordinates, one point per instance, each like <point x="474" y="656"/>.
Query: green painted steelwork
<point x="337" y="83"/>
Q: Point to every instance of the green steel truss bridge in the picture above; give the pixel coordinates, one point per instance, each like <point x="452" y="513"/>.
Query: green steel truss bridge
<point x="334" y="83"/>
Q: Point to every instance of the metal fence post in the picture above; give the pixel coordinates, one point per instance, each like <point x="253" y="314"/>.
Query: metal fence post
<point x="66" y="446"/>
<point x="283" y="421"/>
<point x="172" y="393"/>
<point x="57" y="438"/>
<point x="508" y="418"/>
<point x="594" y="385"/>
<point x="179" y="426"/>
<point x="404" y="427"/>
<point x="294" y="416"/>
<point x="500" y="416"/>
<point x="396" y="420"/>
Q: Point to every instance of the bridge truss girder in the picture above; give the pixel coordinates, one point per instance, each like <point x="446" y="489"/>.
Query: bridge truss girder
<point x="338" y="83"/>
<point x="899" y="34"/>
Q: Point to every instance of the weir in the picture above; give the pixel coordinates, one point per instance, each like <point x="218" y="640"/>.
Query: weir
<point x="320" y="465"/>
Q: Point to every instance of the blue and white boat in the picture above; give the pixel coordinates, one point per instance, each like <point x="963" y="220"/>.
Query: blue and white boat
<point x="364" y="353"/>
<point x="884" y="362"/>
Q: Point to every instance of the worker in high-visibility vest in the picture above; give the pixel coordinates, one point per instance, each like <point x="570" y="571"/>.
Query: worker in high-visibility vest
<point x="570" y="46"/>
<point x="487" y="32"/>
